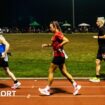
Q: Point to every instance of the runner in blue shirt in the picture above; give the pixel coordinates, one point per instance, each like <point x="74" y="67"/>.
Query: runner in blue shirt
<point x="4" y="47"/>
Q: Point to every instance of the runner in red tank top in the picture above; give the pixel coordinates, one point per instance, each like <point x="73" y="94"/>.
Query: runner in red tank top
<point x="58" y="41"/>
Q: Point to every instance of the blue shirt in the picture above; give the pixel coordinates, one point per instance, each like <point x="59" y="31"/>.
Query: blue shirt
<point x="2" y="48"/>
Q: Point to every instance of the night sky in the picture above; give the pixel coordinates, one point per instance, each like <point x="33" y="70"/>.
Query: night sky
<point x="19" y="12"/>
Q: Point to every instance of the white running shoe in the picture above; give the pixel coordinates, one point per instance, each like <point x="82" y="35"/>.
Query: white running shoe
<point x="94" y="79"/>
<point x="16" y="85"/>
<point x="44" y="92"/>
<point x="76" y="90"/>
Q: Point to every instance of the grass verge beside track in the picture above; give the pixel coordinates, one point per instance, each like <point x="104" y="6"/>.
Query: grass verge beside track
<point x="30" y="60"/>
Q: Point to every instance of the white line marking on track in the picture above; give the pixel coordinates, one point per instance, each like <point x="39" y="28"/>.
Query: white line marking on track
<point x="57" y="96"/>
<point x="63" y="86"/>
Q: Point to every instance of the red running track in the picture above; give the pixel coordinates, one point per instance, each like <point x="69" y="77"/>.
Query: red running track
<point x="27" y="94"/>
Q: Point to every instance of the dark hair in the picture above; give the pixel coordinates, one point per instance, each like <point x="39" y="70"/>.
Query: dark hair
<point x="56" y="25"/>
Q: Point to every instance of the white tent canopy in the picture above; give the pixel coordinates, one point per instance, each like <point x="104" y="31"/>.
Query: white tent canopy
<point x="84" y="24"/>
<point x="66" y="25"/>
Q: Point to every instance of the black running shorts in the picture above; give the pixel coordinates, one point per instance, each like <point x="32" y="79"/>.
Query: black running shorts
<point x="3" y="63"/>
<point x="58" y="60"/>
<point x="101" y="50"/>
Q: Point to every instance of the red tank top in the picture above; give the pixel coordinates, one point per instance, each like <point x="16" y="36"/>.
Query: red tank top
<point x="56" y="40"/>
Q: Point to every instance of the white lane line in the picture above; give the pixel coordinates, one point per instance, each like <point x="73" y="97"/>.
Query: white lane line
<point x="56" y="96"/>
<point x="63" y="86"/>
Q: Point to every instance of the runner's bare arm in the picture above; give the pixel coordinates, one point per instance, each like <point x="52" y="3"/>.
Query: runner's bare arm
<point x="46" y="45"/>
<point x="102" y="37"/>
<point x="65" y="40"/>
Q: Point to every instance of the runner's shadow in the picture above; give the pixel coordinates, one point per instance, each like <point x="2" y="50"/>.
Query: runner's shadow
<point x="59" y="90"/>
<point x="4" y="85"/>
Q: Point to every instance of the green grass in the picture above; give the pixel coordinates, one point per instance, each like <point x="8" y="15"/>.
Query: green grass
<point x="30" y="60"/>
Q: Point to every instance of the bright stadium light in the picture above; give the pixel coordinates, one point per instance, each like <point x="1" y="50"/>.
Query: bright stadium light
<point x="73" y="13"/>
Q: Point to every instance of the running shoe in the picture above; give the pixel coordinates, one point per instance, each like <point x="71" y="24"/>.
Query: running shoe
<point x="94" y="79"/>
<point x="76" y="89"/>
<point x="44" y="92"/>
<point x="16" y="85"/>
